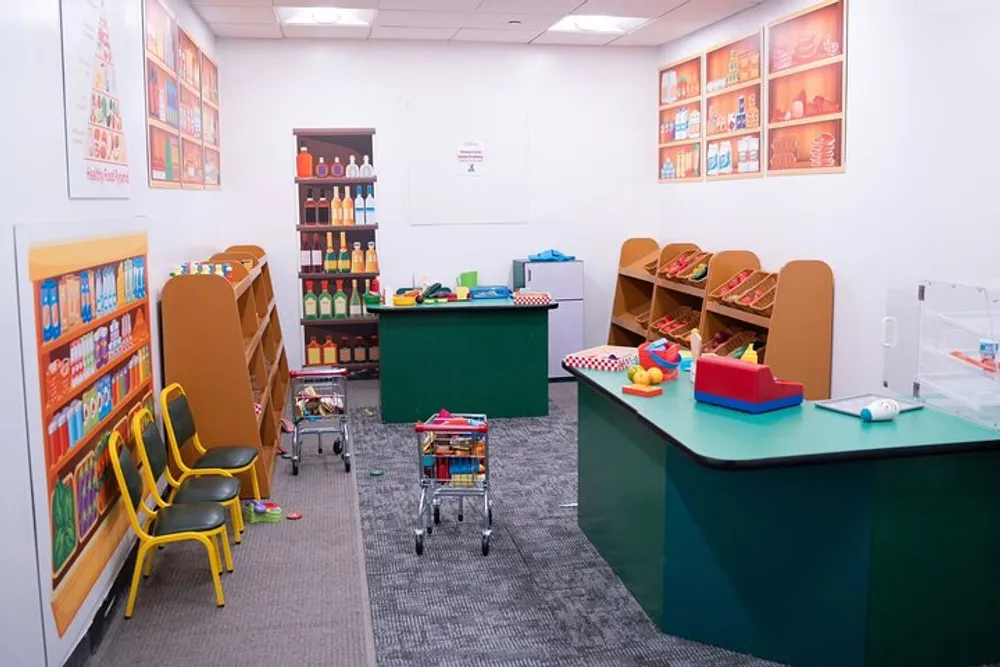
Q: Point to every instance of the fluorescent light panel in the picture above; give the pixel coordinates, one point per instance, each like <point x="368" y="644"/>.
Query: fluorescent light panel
<point x="606" y="25"/>
<point x="326" y="16"/>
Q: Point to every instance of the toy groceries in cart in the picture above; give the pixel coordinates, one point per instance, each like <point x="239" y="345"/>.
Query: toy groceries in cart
<point x="320" y="409"/>
<point x="453" y="458"/>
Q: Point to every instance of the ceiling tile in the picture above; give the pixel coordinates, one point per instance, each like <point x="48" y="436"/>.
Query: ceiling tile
<point x="238" y="14"/>
<point x="542" y="7"/>
<point x="231" y="3"/>
<point x="325" y="31"/>
<point x="382" y="32"/>
<point x="657" y="33"/>
<point x="413" y="19"/>
<point x="343" y="4"/>
<point x="684" y="20"/>
<point x="487" y="21"/>
<point x="647" y="9"/>
<point x="247" y="30"/>
<point x="573" y="38"/>
<point x="508" y="36"/>
<point x="710" y="11"/>
<point x="431" y="5"/>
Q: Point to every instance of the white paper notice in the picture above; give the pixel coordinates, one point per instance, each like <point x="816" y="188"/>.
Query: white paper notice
<point x="471" y="157"/>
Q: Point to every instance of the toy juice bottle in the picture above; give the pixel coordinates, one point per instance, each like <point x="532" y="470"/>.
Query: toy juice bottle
<point x="314" y="356"/>
<point x="371" y="259"/>
<point x="303" y="162"/>
<point x="329" y="352"/>
<point x="355" y="305"/>
<point x="322" y="209"/>
<point x="344" y="351"/>
<point x="340" y="302"/>
<point x="330" y="265"/>
<point x="348" y="208"/>
<point x="344" y="261"/>
<point x="310" y="208"/>
<point x="310" y="304"/>
<point x="336" y="208"/>
<point x="325" y="301"/>
<point x="357" y="258"/>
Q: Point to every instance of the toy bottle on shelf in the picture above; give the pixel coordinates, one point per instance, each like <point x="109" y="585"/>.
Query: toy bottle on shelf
<point x="305" y="255"/>
<point x="310" y="208"/>
<point x="355" y="305"/>
<point x="336" y="208"/>
<point x="310" y="304"/>
<point x="325" y="301"/>
<point x="370" y="218"/>
<point x="344" y="351"/>
<point x="371" y="259"/>
<point x="347" y="208"/>
<point x="357" y="258"/>
<point x="317" y="254"/>
<point x="323" y="210"/>
<point x="322" y="170"/>
<point x="344" y="260"/>
<point x="314" y="356"/>
<point x="330" y="263"/>
<point x="353" y="170"/>
<point x="373" y="349"/>
<point x="329" y="352"/>
<point x="337" y="169"/>
<point x="360" y="350"/>
<point x="359" y="206"/>
<point x="303" y="162"/>
<point x="340" y="302"/>
<point x="367" y="170"/>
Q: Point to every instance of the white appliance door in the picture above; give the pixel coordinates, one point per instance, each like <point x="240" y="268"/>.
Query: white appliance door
<point x="563" y="280"/>
<point x="565" y="335"/>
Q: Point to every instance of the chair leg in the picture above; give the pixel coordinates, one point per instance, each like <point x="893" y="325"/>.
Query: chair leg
<point x="226" y="551"/>
<point x="256" y="484"/>
<point x="213" y="561"/>
<point x="234" y="510"/>
<point x="130" y="605"/>
<point x="148" y="569"/>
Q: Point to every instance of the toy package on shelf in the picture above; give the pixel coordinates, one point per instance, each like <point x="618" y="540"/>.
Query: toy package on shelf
<point x="603" y="358"/>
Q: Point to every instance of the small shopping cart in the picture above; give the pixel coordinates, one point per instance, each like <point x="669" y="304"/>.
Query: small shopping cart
<point x="453" y="458"/>
<point x="320" y="409"/>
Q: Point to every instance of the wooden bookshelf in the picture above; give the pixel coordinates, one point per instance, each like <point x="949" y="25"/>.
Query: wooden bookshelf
<point x="330" y="144"/>
<point x="633" y="290"/>
<point x="222" y="342"/>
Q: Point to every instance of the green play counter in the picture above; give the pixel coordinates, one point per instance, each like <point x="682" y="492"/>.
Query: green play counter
<point x="486" y="356"/>
<point x="801" y="536"/>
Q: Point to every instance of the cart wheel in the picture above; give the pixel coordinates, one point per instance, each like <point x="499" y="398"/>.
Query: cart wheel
<point x="489" y="516"/>
<point x="437" y="515"/>
<point x="486" y="545"/>
<point x="347" y="464"/>
<point x="461" y="517"/>
<point x="295" y="467"/>
<point x="419" y="545"/>
<point x="338" y="446"/>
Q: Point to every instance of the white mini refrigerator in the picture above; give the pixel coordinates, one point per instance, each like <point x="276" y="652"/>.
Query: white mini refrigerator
<point x="564" y="281"/>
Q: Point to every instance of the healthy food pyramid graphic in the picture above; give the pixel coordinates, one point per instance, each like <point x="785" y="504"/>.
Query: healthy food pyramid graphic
<point x="107" y="141"/>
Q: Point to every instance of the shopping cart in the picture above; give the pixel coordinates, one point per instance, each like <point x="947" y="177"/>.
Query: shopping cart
<point x="320" y="408"/>
<point x="453" y="459"/>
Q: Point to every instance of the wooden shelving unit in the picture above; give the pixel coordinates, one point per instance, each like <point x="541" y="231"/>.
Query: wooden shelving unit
<point x="807" y="84"/>
<point x="733" y="117"/>
<point x="222" y="342"/>
<point x="681" y="125"/>
<point x="329" y="144"/>
<point x="794" y="332"/>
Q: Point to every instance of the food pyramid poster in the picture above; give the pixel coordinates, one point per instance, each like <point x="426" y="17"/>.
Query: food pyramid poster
<point x="96" y="146"/>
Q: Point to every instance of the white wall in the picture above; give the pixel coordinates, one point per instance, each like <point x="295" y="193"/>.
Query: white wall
<point x="33" y="191"/>
<point x="592" y="152"/>
<point x="910" y="206"/>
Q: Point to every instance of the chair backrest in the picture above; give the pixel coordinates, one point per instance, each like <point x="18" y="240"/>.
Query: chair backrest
<point x="179" y="420"/>
<point x="150" y="445"/>
<point x="129" y="480"/>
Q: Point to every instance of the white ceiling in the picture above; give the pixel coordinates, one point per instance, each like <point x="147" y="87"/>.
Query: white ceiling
<point x="510" y="21"/>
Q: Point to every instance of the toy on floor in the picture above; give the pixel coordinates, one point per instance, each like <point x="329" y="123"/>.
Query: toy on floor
<point x="261" y="511"/>
<point x="739" y="385"/>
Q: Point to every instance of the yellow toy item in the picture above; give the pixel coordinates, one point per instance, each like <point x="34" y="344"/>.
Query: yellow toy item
<point x="641" y="377"/>
<point x="655" y="375"/>
<point x="750" y="354"/>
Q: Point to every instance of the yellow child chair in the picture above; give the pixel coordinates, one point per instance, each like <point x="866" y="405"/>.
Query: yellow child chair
<point x="201" y="522"/>
<point x="196" y="486"/>
<point x="181" y="430"/>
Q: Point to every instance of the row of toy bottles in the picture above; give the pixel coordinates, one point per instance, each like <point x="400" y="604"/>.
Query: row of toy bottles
<point x="76" y="299"/>
<point x="313" y="259"/>
<point x="204" y="269"/>
<point x="340" y="213"/>
<point x="304" y="167"/>
<point x="74" y="422"/>
<point x="331" y="354"/>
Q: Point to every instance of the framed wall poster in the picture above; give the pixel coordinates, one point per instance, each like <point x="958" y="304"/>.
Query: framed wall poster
<point x="97" y="157"/>
<point x="86" y="349"/>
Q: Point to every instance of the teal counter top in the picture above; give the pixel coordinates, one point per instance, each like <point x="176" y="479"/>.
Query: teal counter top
<point x="471" y="304"/>
<point x="720" y="438"/>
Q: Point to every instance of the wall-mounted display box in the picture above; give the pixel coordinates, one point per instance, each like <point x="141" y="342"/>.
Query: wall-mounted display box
<point x="807" y="80"/>
<point x="733" y="94"/>
<point x="680" y="121"/>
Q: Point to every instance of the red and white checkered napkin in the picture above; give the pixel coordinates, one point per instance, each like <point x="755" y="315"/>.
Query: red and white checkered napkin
<point x="600" y="358"/>
<point x="532" y="298"/>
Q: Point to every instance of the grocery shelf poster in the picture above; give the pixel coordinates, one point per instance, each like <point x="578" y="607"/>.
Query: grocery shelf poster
<point x="94" y="36"/>
<point x="86" y="347"/>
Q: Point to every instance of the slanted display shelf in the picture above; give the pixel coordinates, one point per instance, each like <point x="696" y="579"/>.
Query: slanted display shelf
<point x="733" y="127"/>
<point x="680" y="116"/>
<point x="807" y="79"/>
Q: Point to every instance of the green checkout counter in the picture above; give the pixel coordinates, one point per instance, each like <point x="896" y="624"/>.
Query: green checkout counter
<point x="483" y="356"/>
<point x="802" y="536"/>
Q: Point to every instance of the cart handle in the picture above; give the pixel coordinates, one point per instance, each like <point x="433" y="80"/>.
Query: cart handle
<point x="317" y="372"/>
<point x="422" y="427"/>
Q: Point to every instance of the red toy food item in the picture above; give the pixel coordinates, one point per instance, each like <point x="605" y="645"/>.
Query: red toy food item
<point x="294" y="516"/>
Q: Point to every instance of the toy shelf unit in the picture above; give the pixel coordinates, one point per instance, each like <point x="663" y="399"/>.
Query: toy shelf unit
<point x="734" y="95"/>
<point x="337" y="226"/>
<point x="222" y="342"/>
<point x="633" y="300"/>
<point x="92" y="318"/>
<point x="941" y="343"/>
<point x="807" y="82"/>
<point x="680" y="121"/>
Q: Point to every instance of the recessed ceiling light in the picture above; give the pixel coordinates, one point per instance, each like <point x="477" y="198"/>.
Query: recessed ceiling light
<point x="610" y="25"/>
<point x="326" y="16"/>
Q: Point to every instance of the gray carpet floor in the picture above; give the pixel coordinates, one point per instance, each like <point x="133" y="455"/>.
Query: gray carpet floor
<point x="543" y="596"/>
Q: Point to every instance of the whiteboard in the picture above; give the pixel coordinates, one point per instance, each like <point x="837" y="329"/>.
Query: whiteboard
<point x="443" y="188"/>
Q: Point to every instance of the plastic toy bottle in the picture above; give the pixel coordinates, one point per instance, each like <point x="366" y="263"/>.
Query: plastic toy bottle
<point x="882" y="410"/>
<point x="695" y="352"/>
<point x="750" y="354"/>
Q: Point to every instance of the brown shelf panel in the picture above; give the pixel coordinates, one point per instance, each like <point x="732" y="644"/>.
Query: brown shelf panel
<point x="638" y="274"/>
<point x="356" y="365"/>
<point x="737" y="314"/>
<point x="337" y="181"/>
<point x="628" y="322"/>
<point x="337" y="276"/>
<point x="341" y="132"/>
<point x="337" y="322"/>
<point x="681" y="287"/>
<point x="322" y="229"/>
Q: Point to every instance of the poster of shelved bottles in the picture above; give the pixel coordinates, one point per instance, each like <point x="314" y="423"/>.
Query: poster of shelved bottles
<point x="182" y="103"/>
<point x="88" y="336"/>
